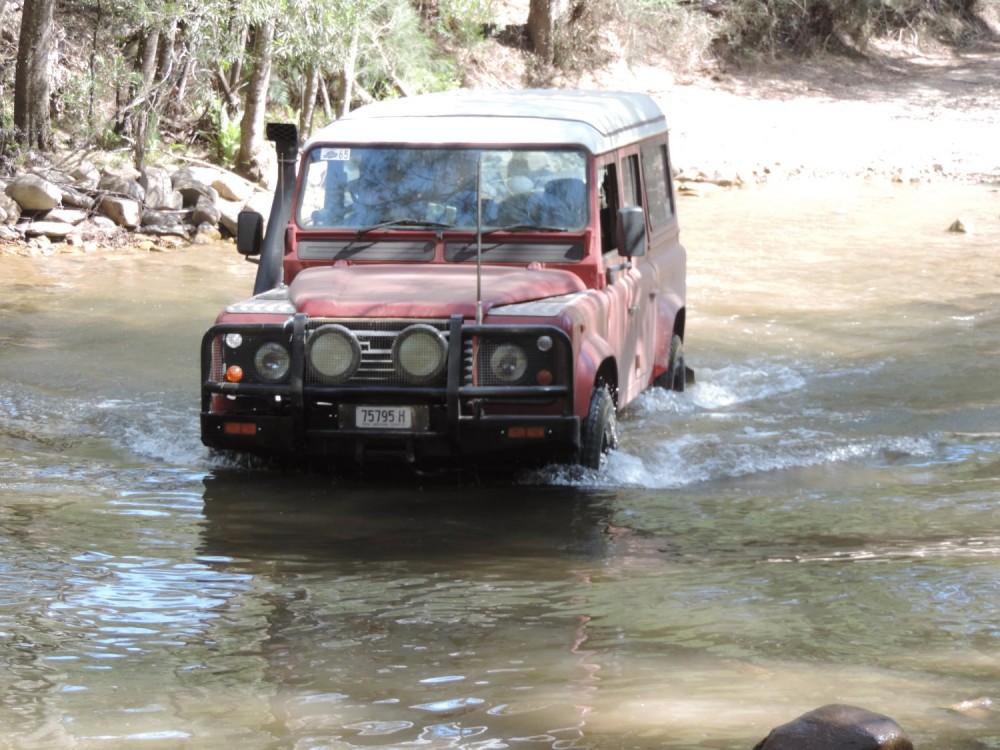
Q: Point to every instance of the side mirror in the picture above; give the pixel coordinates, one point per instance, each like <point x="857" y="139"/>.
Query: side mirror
<point x="249" y="233"/>
<point x="631" y="232"/>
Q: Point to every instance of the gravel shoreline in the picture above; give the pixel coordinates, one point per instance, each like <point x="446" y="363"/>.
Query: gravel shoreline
<point x="906" y="119"/>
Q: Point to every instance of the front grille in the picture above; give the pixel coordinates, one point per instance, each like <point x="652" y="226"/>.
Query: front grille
<point x="376" y="337"/>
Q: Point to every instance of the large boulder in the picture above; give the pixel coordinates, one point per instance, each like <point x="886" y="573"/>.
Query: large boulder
<point x="837" y="727"/>
<point x="10" y="211"/>
<point x="205" y="212"/>
<point x="229" y="212"/>
<point x="73" y="197"/>
<point x="191" y="186"/>
<point x="232" y="187"/>
<point x="124" y="212"/>
<point x="33" y="193"/>
<point x="85" y="175"/>
<point x="160" y="193"/>
<point x="121" y="183"/>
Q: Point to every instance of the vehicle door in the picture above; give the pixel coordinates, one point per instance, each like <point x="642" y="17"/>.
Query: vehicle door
<point x="629" y="300"/>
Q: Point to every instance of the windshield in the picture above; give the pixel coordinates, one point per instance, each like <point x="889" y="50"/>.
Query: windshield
<point x="391" y="187"/>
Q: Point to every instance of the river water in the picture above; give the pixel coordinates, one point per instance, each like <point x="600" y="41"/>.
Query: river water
<point x="815" y="521"/>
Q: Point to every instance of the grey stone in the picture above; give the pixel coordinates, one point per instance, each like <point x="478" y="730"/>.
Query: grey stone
<point x="837" y="727"/>
<point x="76" y="199"/>
<point x="66" y="215"/>
<point x="116" y="182"/>
<point x="232" y="187"/>
<point x="229" y="212"/>
<point x="123" y="211"/>
<point x="154" y="218"/>
<point x="205" y="212"/>
<point x="160" y="193"/>
<point x="32" y="193"/>
<point x="51" y="229"/>
<point x="85" y="174"/>
<point x="192" y="190"/>
<point x="10" y="211"/>
<point x="169" y="230"/>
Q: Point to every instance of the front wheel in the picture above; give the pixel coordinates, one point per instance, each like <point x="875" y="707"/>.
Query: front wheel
<point x="600" y="430"/>
<point x="675" y="377"/>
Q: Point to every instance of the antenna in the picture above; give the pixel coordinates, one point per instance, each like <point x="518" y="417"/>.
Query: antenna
<point x="479" y="239"/>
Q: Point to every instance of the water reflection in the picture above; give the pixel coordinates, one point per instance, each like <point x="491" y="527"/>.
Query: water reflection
<point x="811" y="523"/>
<point x="438" y="614"/>
<point x="263" y="515"/>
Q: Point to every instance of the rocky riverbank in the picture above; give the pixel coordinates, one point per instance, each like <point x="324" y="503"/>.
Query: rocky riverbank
<point x="47" y="208"/>
<point x="901" y="115"/>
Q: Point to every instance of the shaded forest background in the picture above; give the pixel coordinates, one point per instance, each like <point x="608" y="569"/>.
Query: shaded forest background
<point x="154" y="77"/>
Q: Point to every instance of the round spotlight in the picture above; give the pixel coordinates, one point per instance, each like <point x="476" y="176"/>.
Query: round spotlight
<point x="333" y="353"/>
<point x="544" y="343"/>
<point x="508" y="363"/>
<point x="420" y="353"/>
<point x="272" y="362"/>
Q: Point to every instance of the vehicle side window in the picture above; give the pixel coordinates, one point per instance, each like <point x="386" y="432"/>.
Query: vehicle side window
<point x="630" y="181"/>
<point x="656" y="174"/>
<point x="608" y="177"/>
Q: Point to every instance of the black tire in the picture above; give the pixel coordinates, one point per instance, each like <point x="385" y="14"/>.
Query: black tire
<point x="675" y="378"/>
<point x="600" y="429"/>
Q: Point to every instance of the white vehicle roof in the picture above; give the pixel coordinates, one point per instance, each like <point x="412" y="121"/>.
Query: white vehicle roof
<point x="596" y="120"/>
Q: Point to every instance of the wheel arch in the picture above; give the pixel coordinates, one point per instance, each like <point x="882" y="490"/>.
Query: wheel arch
<point x="596" y="364"/>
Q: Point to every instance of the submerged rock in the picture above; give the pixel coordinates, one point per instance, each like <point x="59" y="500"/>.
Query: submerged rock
<point x="837" y="727"/>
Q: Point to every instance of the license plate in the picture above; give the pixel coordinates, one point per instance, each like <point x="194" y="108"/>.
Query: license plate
<point x="384" y="417"/>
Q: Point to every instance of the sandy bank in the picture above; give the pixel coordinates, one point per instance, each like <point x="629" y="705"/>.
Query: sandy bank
<point x="909" y="116"/>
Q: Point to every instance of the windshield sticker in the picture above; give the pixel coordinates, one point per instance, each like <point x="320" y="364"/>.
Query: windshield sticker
<point x="335" y="154"/>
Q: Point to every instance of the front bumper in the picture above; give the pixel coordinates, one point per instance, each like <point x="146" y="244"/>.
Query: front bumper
<point x="457" y="417"/>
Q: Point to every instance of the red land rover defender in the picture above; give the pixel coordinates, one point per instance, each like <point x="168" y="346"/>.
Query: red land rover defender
<point x="456" y="275"/>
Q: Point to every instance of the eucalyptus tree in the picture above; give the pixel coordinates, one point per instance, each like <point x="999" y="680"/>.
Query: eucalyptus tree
<point x="31" y="81"/>
<point x="344" y="52"/>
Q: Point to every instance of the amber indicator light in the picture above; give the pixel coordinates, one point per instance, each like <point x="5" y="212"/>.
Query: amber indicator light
<point x="239" y="428"/>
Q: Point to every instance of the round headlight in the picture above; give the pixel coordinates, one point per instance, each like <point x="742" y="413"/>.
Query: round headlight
<point x="420" y="352"/>
<point x="333" y="353"/>
<point x="508" y="363"/>
<point x="272" y="362"/>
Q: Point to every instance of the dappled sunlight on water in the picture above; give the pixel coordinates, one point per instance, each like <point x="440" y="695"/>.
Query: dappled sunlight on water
<point x="810" y="522"/>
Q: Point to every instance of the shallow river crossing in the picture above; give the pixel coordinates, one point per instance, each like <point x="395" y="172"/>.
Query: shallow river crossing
<point x="815" y="521"/>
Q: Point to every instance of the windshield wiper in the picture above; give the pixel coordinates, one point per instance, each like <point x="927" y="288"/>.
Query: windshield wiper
<point x="402" y="223"/>
<point x="524" y="228"/>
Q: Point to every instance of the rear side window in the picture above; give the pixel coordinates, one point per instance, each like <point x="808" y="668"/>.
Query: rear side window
<point x="657" y="178"/>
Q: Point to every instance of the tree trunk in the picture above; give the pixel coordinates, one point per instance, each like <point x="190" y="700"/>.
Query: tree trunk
<point x="143" y="97"/>
<point x="539" y="27"/>
<point x="348" y="75"/>
<point x="543" y="18"/>
<point x="308" y="103"/>
<point x="325" y="93"/>
<point x="31" y="79"/>
<point x="250" y="160"/>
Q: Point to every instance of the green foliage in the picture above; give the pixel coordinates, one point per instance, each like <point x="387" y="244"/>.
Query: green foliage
<point x="385" y="48"/>
<point x="461" y="22"/>
<point x="226" y="138"/>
